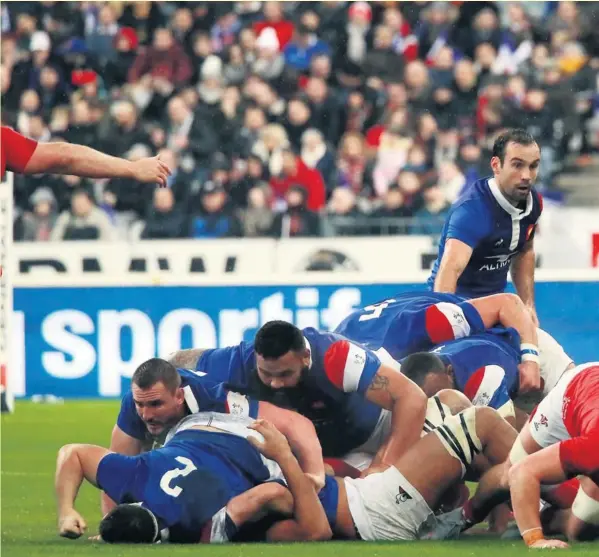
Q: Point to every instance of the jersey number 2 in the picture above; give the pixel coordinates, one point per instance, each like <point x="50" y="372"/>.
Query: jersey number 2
<point x="169" y="476"/>
<point x="375" y="309"/>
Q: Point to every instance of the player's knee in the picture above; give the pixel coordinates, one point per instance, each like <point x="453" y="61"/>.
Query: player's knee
<point x="455" y="400"/>
<point x="487" y="419"/>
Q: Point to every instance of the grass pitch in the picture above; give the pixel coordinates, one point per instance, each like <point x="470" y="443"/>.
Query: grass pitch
<point x="30" y="440"/>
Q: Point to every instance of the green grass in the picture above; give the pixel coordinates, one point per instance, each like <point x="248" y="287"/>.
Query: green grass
<point x="30" y="440"/>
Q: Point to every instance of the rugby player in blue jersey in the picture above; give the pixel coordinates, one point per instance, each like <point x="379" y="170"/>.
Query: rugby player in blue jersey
<point x="161" y="395"/>
<point x="490" y="229"/>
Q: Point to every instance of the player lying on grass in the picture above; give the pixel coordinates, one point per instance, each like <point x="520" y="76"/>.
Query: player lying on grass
<point x="560" y="441"/>
<point x="485" y="368"/>
<point x="180" y="492"/>
<point x="161" y="396"/>
<point x="399" y="503"/>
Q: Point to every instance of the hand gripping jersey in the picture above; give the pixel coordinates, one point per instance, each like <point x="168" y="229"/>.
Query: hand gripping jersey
<point x="331" y="392"/>
<point x="411" y="322"/>
<point x="201" y="394"/>
<point x="569" y="415"/>
<point x="189" y="480"/>
<point x="485" y="367"/>
<point x="495" y="230"/>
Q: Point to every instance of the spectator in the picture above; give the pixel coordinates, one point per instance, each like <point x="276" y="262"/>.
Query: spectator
<point x="297" y="220"/>
<point x="117" y="68"/>
<point x="430" y="219"/>
<point x="295" y="173"/>
<point x="83" y="222"/>
<point x="316" y="154"/>
<point x="298" y="119"/>
<point x="392" y="215"/>
<point x="382" y="61"/>
<point x="324" y="108"/>
<point x="344" y="213"/>
<point x="273" y="141"/>
<point x="214" y="217"/>
<point x="274" y="20"/>
<point x="165" y="220"/>
<point x="304" y="46"/>
<point x="451" y="181"/>
<point x="258" y="217"/>
<point x="126" y="129"/>
<point x="38" y="225"/>
<point x="351" y="162"/>
<point x="101" y="40"/>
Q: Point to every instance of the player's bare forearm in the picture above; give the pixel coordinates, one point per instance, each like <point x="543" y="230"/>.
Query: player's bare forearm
<point x="523" y="275"/>
<point x="258" y="501"/>
<point x="106" y="504"/>
<point x="525" y="478"/>
<point x="79" y="160"/>
<point x="311" y="522"/>
<point x="75" y="463"/>
<point x="302" y="438"/>
<point x="454" y="261"/>
<point x="393" y="391"/>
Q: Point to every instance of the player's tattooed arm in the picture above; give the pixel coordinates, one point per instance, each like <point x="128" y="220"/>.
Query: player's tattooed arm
<point x="186" y="359"/>
<point x="379" y="383"/>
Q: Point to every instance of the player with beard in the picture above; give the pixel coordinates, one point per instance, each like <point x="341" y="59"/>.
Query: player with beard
<point x="491" y="228"/>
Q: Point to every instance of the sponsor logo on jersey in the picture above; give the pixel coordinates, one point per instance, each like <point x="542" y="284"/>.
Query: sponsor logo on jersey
<point x="542" y="421"/>
<point x="501" y="261"/>
<point x="498" y="243"/>
<point x="402" y="496"/>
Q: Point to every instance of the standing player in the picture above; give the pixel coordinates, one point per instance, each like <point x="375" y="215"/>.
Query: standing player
<point x="162" y="395"/>
<point x="417" y="321"/>
<point x="491" y="228"/>
<point x="25" y="156"/>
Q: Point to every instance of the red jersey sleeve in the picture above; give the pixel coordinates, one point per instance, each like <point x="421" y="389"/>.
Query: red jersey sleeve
<point x="580" y="455"/>
<point x="16" y="150"/>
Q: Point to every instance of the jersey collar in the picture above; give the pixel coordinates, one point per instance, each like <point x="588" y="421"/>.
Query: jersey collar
<point x="506" y="205"/>
<point x="309" y="350"/>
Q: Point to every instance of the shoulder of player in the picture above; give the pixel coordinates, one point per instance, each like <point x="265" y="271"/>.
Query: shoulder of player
<point x="537" y="201"/>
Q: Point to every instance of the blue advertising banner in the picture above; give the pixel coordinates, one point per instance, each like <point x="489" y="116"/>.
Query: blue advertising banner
<point x="86" y="342"/>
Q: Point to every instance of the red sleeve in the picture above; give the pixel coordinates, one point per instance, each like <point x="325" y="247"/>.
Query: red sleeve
<point x="16" y="150"/>
<point x="580" y="455"/>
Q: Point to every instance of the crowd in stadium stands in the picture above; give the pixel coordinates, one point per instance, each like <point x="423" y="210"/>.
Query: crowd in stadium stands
<point x="289" y="119"/>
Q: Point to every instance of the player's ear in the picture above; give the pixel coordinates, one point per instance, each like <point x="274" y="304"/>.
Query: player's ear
<point x="180" y="395"/>
<point x="449" y="370"/>
<point x="495" y="164"/>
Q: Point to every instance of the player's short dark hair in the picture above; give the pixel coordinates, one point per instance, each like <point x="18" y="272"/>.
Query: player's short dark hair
<point x="154" y="371"/>
<point x="516" y="135"/>
<point x="128" y="523"/>
<point x="276" y="338"/>
<point x="417" y="366"/>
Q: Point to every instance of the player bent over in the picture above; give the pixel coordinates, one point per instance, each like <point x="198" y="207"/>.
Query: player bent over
<point x="180" y="491"/>
<point x="399" y="503"/>
<point x="560" y="441"/>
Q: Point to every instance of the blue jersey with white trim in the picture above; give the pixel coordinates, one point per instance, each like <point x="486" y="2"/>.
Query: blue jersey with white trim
<point x="411" y="322"/>
<point x="485" y="366"/>
<point x="201" y="392"/>
<point x="495" y="230"/>
<point x="186" y="482"/>
<point x="331" y="392"/>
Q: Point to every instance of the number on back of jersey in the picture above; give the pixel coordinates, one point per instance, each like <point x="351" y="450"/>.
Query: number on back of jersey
<point x="375" y="310"/>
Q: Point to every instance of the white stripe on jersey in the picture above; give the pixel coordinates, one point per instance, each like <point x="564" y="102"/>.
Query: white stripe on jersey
<point x="492" y="378"/>
<point x="455" y="315"/>
<point x="190" y="399"/>
<point x="238" y="404"/>
<point x="354" y="366"/>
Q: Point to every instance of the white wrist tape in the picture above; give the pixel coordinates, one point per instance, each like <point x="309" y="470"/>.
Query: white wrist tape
<point x="529" y="353"/>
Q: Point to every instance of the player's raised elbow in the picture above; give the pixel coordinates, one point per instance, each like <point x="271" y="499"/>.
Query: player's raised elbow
<point x="319" y="533"/>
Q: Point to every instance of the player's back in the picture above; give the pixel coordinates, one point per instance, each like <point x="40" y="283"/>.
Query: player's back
<point x="231" y="364"/>
<point x="186" y="482"/>
<point x="394" y="324"/>
<point x="485" y="366"/>
<point x="580" y="407"/>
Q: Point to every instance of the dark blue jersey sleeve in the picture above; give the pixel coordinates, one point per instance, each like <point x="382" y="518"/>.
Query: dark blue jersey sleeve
<point x="115" y="475"/>
<point x="128" y="420"/>
<point x="466" y="223"/>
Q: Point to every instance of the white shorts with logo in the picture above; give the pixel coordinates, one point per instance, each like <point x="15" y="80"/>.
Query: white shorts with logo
<point x="362" y="456"/>
<point x="385" y="506"/>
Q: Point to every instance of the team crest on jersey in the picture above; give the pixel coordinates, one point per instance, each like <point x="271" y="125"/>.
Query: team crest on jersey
<point x="402" y="496"/>
<point x="359" y="359"/>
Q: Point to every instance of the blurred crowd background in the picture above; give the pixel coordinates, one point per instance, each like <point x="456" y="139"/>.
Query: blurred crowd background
<point x="291" y="118"/>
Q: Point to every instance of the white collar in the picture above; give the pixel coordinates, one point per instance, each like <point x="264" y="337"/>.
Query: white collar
<point x="309" y="350"/>
<point x="505" y="204"/>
